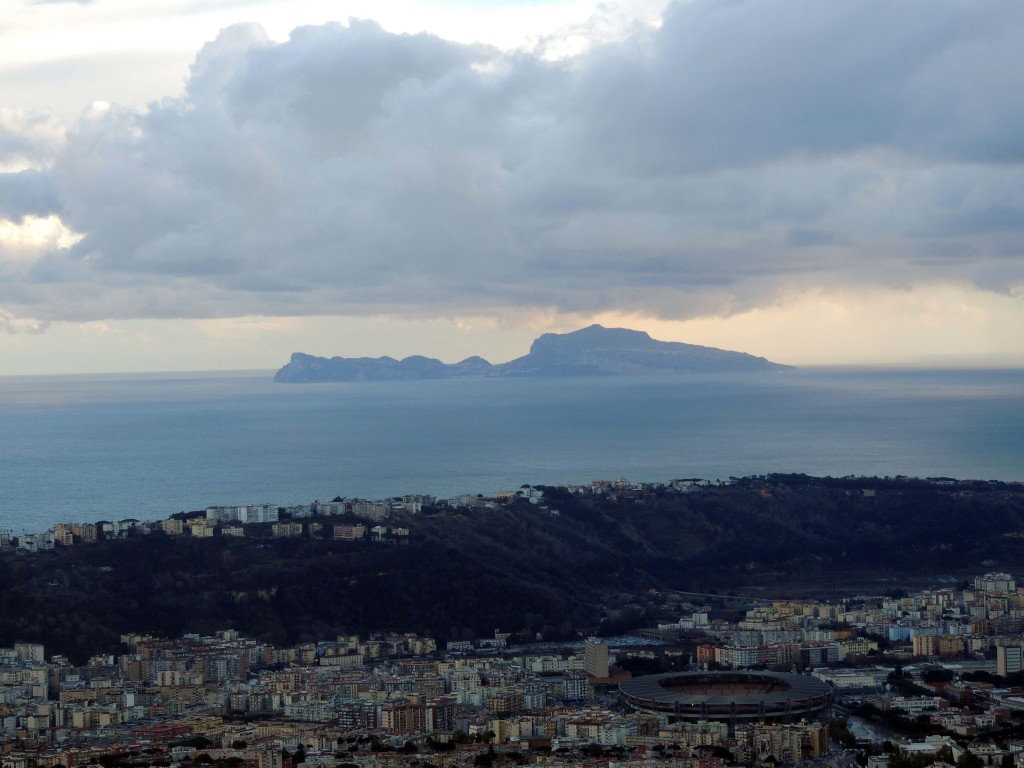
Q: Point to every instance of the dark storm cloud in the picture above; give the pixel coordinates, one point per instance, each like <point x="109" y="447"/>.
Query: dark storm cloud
<point x="741" y="148"/>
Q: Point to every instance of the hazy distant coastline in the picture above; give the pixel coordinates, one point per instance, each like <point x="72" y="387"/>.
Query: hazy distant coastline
<point x="594" y="350"/>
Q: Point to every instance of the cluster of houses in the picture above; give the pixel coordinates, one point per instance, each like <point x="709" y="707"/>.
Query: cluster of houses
<point x="312" y="519"/>
<point x="304" y="520"/>
<point x="987" y="618"/>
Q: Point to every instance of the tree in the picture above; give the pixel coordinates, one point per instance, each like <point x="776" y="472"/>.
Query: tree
<point x="719" y="751"/>
<point x="839" y="733"/>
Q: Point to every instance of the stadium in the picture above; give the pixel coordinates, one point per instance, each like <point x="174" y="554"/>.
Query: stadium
<point x="728" y="696"/>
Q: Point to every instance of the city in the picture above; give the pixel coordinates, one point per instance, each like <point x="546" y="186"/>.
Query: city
<point x="929" y="676"/>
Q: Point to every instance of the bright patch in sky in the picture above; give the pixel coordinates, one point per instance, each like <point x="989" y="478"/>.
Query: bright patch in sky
<point x="34" y="234"/>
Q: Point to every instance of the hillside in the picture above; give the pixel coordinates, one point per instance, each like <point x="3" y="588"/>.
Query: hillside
<point x="517" y="567"/>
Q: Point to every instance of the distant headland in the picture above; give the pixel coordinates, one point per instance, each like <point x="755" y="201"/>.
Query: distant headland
<point x="590" y="351"/>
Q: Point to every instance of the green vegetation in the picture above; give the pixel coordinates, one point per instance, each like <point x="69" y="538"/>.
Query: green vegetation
<point x="838" y="733"/>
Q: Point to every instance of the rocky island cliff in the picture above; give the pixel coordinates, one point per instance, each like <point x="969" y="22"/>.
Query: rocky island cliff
<point x="590" y="351"/>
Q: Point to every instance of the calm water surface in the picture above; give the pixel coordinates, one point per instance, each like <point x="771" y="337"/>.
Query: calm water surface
<point x="107" y="447"/>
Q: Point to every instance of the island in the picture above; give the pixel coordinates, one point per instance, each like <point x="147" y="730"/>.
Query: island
<point x="590" y="351"/>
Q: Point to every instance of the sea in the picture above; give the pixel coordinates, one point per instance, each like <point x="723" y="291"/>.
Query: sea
<point x="109" y="447"/>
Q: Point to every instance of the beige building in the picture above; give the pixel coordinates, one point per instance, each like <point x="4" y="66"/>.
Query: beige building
<point x="595" y="658"/>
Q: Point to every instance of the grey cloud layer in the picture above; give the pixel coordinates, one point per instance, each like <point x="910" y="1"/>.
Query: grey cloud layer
<point x="742" y="149"/>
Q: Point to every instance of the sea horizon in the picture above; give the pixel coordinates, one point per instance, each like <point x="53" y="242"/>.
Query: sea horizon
<point x="790" y="368"/>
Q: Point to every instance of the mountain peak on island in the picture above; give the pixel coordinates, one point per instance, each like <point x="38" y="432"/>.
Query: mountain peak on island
<point x="596" y="334"/>
<point x="594" y="350"/>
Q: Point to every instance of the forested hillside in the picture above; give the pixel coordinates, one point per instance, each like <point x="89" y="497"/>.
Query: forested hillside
<point x="517" y="566"/>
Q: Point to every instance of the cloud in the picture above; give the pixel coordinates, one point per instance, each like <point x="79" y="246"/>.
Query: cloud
<point x="26" y="193"/>
<point x="745" y="82"/>
<point x="735" y="153"/>
<point x="9" y="323"/>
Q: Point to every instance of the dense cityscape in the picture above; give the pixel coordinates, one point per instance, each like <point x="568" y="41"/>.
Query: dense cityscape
<point x="929" y="676"/>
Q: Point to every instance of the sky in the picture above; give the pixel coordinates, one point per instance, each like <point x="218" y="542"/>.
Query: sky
<point x="208" y="185"/>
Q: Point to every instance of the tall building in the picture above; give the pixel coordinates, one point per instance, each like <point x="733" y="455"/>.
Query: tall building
<point x="926" y="645"/>
<point x="595" y="657"/>
<point x="574" y="685"/>
<point x="1009" y="659"/>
